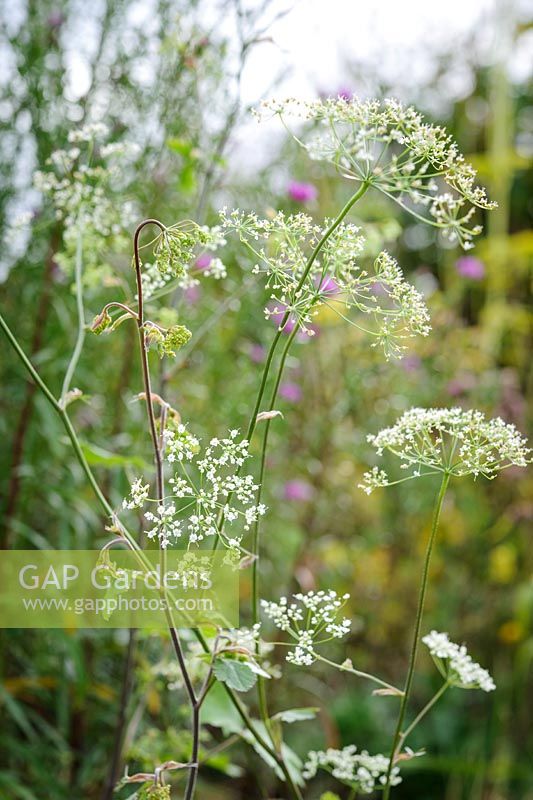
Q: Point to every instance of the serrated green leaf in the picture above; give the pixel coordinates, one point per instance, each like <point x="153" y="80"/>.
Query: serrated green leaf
<point x="235" y="674"/>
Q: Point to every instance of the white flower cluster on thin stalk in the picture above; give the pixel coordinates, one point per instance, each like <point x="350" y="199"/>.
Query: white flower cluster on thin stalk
<point x="202" y="484"/>
<point x="448" y="440"/>
<point x="390" y="146"/>
<point x="455" y="665"/>
<point x="312" y="620"/>
<point x="138" y="495"/>
<point x="389" y="308"/>
<point x="363" y="772"/>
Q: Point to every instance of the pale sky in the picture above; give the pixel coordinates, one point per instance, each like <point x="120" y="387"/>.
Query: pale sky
<point x="312" y="46"/>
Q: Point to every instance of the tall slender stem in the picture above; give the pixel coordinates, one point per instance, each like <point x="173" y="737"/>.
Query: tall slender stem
<point x="80" y="338"/>
<point x="158" y="444"/>
<point x="62" y="413"/>
<point x="416" y="633"/>
<point x="311" y="260"/>
<point x="420" y="716"/>
<point x="262" y="694"/>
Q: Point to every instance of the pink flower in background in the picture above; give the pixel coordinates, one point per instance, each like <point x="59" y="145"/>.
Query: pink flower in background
<point x="192" y="294"/>
<point x="344" y="93"/>
<point x="302" y="192"/>
<point x="470" y="267"/>
<point x="203" y="261"/>
<point x="56" y="19"/>
<point x="298" y="490"/>
<point x="257" y="353"/>
<point x="290" y="391"/>
<point x="411" y="363"/>
<point x="277" y="317"/>
<point x="462" y="383"/>
<point x="328" y="285"/>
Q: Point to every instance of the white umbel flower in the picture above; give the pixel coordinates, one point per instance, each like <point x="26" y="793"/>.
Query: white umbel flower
<point x="360" y="770"/>
<point x="451" y="440"/>
<point x="391" y="147"/>
<point x="456" y="665"/>
<point x="208" y="492"/>
<point x="378" y="300"/>
<point x="311" y="620"/>
<point x="138" y="495"/>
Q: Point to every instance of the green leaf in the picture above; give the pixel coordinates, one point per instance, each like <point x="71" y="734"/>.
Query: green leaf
<point x="296" y="714"/>
<point x="223" y="763"/>
<point x="187" y="179"/>
<point x="219" y="711"/>
<point x="235" y="674"/>
<point x="292" y="759"/>
<point x="97" y="456"/>
<point x="180" y="146"/>
<point x="329" y="796"/>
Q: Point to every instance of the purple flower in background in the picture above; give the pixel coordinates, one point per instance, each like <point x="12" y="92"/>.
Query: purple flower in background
<point x="192" y="294"/>
<point x="461" y="384"/>
<point x="302" y="192"/>
<point x="328" y="285"/>
<point x="344" y="93"/>
<point x="470" y="267"/>
<point x="290" y="391"/>
<point x="203" y="261"/>
<point x="298" y="490"/>
<point x="277" y="317"/>
<point x="411" y="363"/>
<point x="257" y="353"/>
<point x="55" y="19"/>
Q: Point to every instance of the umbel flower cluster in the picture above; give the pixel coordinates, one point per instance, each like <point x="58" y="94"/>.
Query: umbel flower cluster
<point x="363" y="772"/>
<point x="175" y="250"/>
<point x="391" y="146"/>
<point x="389" y="308"/>
<point x="312" y="620"/>
<point x="208" y="493"/>
<point x="454" y="663"/>
<point x="448" y="440"/>
<point x="81" y="184"/>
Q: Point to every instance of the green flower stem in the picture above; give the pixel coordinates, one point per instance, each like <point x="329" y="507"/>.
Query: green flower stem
<point x="80" y="338"/>
<point x="56" y="405"/>
<point x="367" y="675"/>
<point x="253" y="421"/>
<point x="416" y="634"/>
<point x="312" y="258"/>
<point x="247" y="721"/>
<point x="420" y="716"/>
<point x="261" y="686"/>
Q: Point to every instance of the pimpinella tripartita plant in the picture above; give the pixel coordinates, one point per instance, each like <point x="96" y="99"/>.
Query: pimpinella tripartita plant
<point x="206" y="495"/>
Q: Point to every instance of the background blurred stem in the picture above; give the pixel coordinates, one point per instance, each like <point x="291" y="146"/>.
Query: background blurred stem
<point x="416" y="633"/>
<point x="120" y="731"/>
<point x="76" y="353"/>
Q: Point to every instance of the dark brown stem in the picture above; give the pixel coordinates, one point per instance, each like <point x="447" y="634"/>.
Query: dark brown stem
<point x="157" y="442"/>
